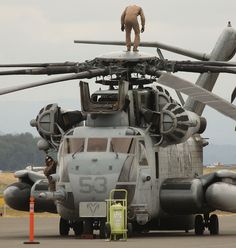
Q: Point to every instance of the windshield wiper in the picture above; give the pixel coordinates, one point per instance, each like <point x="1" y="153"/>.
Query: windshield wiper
<point x="112" y="147"/>
<point x="79" y="150"/>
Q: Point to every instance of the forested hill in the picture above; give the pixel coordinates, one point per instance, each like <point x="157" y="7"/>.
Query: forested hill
<point x="18" y="151"/>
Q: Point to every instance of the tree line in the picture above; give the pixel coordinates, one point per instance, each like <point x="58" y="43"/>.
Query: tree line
<point x="18" y="151"/>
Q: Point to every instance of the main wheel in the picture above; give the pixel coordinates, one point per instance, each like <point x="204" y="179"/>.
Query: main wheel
<point x="130" y="230"/>
<point x="77" y="227"/>
<point x="64" y="227"/>
<point x="214" y="225"/>
<point x="199" y="225"/>
<point x="102" y="234"/>
<point x="107" y="230"/>
<point x="88" y="227"/>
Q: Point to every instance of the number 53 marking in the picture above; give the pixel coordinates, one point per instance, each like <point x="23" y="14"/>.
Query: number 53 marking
<point x="90" y="184"/>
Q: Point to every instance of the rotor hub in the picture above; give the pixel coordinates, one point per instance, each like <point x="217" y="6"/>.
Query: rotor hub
<point x="123" y="56"/>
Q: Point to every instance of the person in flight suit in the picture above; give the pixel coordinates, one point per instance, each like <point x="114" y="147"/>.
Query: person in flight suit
<point x="50" y="169"/>
<point x="129" y="21"/>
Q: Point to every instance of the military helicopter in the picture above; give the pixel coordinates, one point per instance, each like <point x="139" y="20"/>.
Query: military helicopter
<point x="134" y="136"/>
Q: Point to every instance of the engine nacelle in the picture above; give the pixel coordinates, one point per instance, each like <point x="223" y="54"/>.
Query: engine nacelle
<point x="162" y="97"/>
<point x="52" y="122"/>
<point x="177" y="124"/>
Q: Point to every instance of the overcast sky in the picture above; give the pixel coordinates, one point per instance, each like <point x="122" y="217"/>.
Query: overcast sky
<point x="43" y="31"/>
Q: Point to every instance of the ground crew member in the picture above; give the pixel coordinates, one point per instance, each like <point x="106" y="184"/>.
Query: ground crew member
<point x="50" y="169"/>
<point x="129" y="21"/>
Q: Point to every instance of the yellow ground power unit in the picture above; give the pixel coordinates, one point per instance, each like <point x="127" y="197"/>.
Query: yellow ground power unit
<point x="116" y="225"/>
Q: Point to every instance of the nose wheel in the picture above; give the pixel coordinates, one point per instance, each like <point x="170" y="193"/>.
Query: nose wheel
<point x="77" y="227"/>
<point x="65" y="225"/>
<point x="209" y="222"/>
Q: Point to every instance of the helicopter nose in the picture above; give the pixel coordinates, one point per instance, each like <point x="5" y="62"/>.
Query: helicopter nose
<point x="94" y="175"/>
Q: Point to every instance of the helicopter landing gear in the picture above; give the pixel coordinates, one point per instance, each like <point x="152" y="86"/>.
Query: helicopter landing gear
<point x="88" y="228"/>
<point x="64" y="227"/>
<point x="211" y="223"/>
<point x="107" y="230"/>
<point x="77" y="228"/>
<point x="102" y="233"/>
<point x="130" y="230"/>
<point x="199" y="225"/>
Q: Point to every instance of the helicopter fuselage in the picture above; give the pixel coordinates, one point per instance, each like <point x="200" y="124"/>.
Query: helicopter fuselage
<point x="93" y="161"/>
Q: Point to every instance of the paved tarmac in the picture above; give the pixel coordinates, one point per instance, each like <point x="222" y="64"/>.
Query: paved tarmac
<point x="14" y="231"/>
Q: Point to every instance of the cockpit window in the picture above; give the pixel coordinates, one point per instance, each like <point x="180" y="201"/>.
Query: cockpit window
<point x="97" y="145"/>
<point x="74" y="145"/>
<point x="122" y="145"/>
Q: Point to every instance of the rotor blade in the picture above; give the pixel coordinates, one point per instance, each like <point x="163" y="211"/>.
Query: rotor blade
<point x="199" y="94"/>
<point x="200" y="68"/>
<point x="85" y="74"/>
<point x="39" y="71"/>
<point x="185" y="52"/>
<point x="39" y="64"/>
<point x="193" y="66"/>
<point x="209" y="63"/>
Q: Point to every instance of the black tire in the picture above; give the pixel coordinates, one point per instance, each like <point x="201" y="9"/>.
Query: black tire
<point x="130" y="230"/>
<point x="77" y="227"/>
<point x="88" y="227"/>
<point x="199" y="225"/>
<point x="102" y="234"/>
<point x="107" y="230"/>
<point x="214" y="224"/>
<point x="137" y="229"/>
<point x="64" y="227"/>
